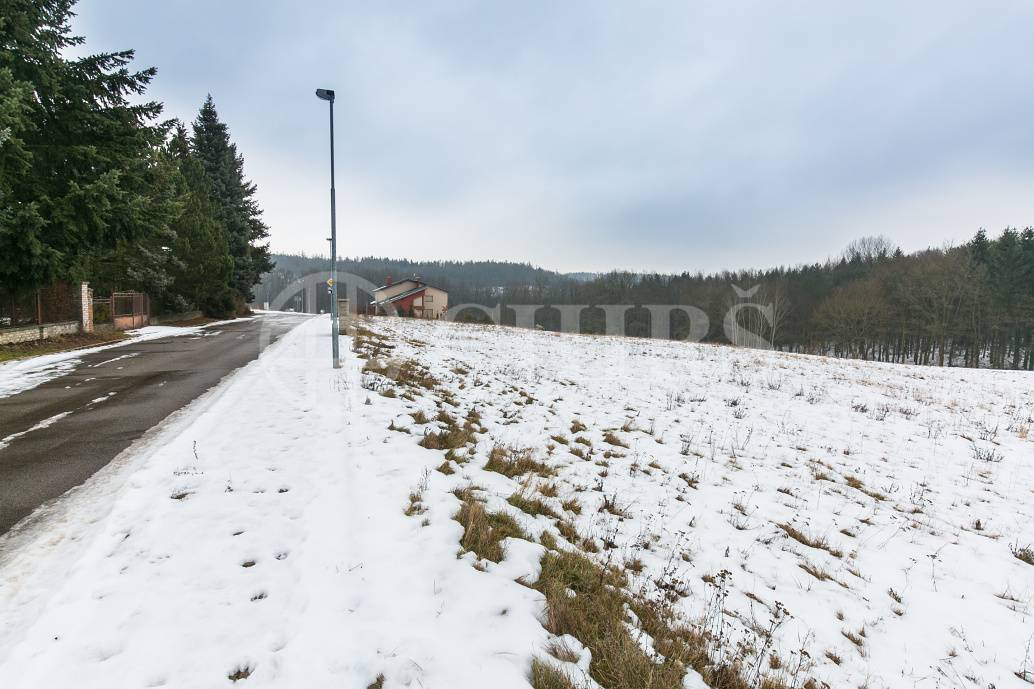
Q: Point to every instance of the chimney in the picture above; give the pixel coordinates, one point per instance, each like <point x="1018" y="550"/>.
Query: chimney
<point x="387" y="281"/>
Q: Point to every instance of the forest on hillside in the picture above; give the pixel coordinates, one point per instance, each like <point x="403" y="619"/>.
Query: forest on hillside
<point x="970" y="305"/>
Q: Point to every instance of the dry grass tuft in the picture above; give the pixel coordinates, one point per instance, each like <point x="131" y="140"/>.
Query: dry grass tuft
<point x="549" y="490"/>
<point x="857" y="484"/>
<point x="572" y="505"/>
<point x="577" y="426"/>
<point x="547" y="676"/>
<point x="483" y="532"/>
<point x="590" y="602"/>
<point x="810" y="541"/>
<point x="857" y="638"/>
<point x="595" y="615"/>
<point x="612" y="439"/>
<point x="1025" y="554"/>
<point x="559" y="649"/>
<point x="568" y="531"/>
<point x="412" y="374"/>
<point x="415" y="506"/>
<point x="610" y="504"/>
<point x="450" y="438"/>
<point x="532" y="506"/>
<point x="512" y="462"/>
<point x="817" y="572"/>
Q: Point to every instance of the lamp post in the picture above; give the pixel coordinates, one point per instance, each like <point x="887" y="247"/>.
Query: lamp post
<point x="328" y="95"/>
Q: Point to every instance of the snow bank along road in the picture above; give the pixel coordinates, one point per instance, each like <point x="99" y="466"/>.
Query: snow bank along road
<point x="55" y="435"/>
<point x="438" y="514"/>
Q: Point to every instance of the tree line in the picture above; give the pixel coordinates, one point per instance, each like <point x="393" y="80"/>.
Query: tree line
<point x="969" y="305"/>
<point x="95" y="186"/>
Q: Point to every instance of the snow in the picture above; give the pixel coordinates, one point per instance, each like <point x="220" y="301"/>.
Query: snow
<point x="261" y="529"/>
<point x="138" y="577"/>
<point x="769" y="439"/>
<point x="24" y="374"/>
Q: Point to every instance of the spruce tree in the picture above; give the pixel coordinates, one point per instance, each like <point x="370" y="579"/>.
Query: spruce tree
<point x="76" y="155"/>
<point x="980" y="247"/>
<point x="234" y="198"/>
<point x="205" y="268"/>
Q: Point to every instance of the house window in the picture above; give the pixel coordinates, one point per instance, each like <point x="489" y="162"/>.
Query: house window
<point x="428" y="298"/>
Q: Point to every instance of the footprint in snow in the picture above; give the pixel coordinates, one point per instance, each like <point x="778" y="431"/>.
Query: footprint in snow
<point x="240" y="672"/>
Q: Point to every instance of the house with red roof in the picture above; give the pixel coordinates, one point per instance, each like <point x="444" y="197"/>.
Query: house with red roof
<point x="410" y="297"/>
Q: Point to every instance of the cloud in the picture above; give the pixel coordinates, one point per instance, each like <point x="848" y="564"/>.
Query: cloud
<point x="596" y="135"/>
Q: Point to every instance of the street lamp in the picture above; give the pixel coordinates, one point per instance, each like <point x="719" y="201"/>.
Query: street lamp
<point x="328" y="95"/>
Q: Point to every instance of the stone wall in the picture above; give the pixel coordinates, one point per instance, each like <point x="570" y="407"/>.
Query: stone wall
<point x="32" y="333"/>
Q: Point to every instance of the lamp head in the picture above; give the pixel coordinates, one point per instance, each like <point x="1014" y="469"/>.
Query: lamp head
<point x="325" y="94"/>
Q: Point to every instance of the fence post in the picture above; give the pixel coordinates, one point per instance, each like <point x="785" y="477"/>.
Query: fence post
<point x="39" y="313"/>
<point x="86" y="307"/>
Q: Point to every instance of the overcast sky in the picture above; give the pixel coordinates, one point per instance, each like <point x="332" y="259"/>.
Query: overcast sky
<point x="596" y="135"/>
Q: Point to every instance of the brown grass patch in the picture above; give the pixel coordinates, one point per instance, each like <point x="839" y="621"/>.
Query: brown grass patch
<point x="572" y="505"/>
<point x="450" y="438"/>
<point x="595" y="615"/>
<point x="810" y="541"/>
<point x="512" y="462"/>
<point x="547" y="676"/>
<point x="532" y="506"/>
<point x="483" y="532"/>
<point x="856" y="483"/>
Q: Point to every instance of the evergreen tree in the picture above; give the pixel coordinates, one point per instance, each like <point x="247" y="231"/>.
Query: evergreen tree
<point x="77" y="158"/>
<point x="234" y="199"/>
<point x="205" y="267"/>
<point x="980" y="247"/>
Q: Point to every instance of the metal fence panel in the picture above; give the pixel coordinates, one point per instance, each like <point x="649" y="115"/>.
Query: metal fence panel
<point x="53" y="304"/>
<point x="17" y="310"/>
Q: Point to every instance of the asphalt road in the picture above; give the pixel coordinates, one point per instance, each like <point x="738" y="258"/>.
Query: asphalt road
<point x="55" y="436"/>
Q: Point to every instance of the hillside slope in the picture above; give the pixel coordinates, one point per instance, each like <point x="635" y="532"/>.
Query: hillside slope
<point x="888" y="509"/>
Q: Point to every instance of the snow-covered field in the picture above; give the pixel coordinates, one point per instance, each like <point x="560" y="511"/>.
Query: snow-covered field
<point x="290" y="530"/>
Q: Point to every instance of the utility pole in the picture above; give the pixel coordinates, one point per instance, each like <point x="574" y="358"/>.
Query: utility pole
<point x="335" y="334"/>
